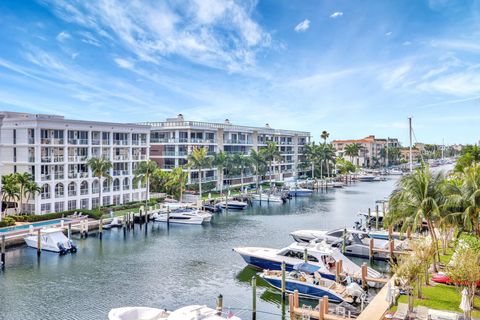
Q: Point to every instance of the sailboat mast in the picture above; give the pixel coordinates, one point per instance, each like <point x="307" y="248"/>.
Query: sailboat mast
<point x="410" y="138"/>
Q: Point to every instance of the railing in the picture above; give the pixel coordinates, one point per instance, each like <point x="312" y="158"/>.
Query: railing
<point x="120" y="157"/>
<point x="59" y="194"/>
<point x="72" y="193"/>
<point x="77" y="158"/>
<point x="45" y="177"/>
<point x="105" y="141"/>
<point x="58" y="158"/>
<point x="77" y="175"/>
<point x="95" y="190"/>
<point x="46" y="159"/>
<point x="77" y="141"/>
<point x="235" y="141"/>
<point x="116" y="188"/>
<point x="120" y="142"/>
<point x="31" y="140"/>
<point x="287" y="152"/>
<point x="45" y="195"/>
<point x="205" y="179"/>
<point x="59" y="176"/>
<point x="96" y="142"/>
<point x="83" y="192"/>
<point x="31" y="159"/>
<point x="139" y="157"/>
<point x="120" y="172"/>
<point x="175" y="154"/>
<point x="168" y="166"/>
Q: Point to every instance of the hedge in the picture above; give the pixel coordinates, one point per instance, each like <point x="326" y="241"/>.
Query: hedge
<point x="7" y="222"/>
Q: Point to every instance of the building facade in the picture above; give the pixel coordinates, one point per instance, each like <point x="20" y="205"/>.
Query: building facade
<point x="372" y="151"/>
<point x="54" y="150"/>
<point x="171" y="142"/>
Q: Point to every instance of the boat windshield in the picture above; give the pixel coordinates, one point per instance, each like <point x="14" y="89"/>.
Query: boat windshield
<point x="298" y="255"/>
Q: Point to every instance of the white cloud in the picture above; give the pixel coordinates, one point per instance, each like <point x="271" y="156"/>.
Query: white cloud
<point x="337" y="14"/>
<point x="406" y="43"/>
<point x="62" y="36"/>
<point x="303" y="26"/>
<point x="458" y="84"/>
<point x="126" y="64"/>
<point x="388" y="34"/>
<point x="395" y="77"/>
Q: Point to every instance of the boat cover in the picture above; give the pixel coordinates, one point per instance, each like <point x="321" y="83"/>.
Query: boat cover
<point x="306" y="267"/>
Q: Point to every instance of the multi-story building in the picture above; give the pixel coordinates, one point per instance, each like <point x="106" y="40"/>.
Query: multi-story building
<point x="55" y="151"/>
<point x="172" y="140"/>
<point x="370" y="153"/>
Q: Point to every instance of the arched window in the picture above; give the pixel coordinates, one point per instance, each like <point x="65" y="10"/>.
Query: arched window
<point x="95" y="186"/>
<point x="126" y="184"/>
<point x="116" y="184"/>
<point x="72" y="189"/>
<point x="84" y="188"/>
<point x="106" y="185"/>
<point x="59" y="190"/>
<point x="45" y="191"/>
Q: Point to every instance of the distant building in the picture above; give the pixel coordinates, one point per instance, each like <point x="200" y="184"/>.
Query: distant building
<point x="370" y="154"/>
<point x="405" y="154"/>
<point x="171" y="142"/>
<point x="55" y="150"/>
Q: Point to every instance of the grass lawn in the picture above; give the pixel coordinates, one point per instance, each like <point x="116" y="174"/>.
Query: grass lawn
<point x="442" y="297"/>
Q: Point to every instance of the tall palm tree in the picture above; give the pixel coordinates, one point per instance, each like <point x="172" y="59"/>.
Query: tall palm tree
<point x="32" y="189"/>
<point x="242" y="162"/>
<point x="23" y="179"/>
<point x="100" y="169"/>
<point x="199" y="160"/>
<point x="259" y="165"/>
<point x="177" y="180"/>
<point x="220" y="161"/>
<point x="10" y="189"/>
<point x="311" y="152"/>
<point x="352" y="150"/>
<point x="324" y="136"/>
<point x="271" y="154"/>
<point x="144" y="172"/>
<point x="418" y="197"/>
<point x="326" y="154"/>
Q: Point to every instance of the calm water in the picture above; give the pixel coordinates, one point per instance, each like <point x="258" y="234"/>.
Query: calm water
<point x="169" y="268"/>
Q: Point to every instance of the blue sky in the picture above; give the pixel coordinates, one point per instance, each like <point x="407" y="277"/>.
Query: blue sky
<point x="352" y="68"/>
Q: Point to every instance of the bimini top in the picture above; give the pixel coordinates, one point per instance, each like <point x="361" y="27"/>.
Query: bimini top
<point x="306" y="267"/>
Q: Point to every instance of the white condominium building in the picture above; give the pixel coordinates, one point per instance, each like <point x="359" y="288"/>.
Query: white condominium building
<point x="172" y="140"/>
<point x="55" y="151"/>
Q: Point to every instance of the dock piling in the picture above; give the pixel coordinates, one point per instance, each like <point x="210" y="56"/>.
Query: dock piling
<point x="69" y="231"/>
<point x="39" y="243"/>
<point x="369" y="218"/>
<point x="305" y="255"/>
<point x="86" y="228"/>
<point x="100" y="229"/>
<point x="219" y="304"/>
<point x="376" y="217"/>
<point x="283" y="288"/>
<point x="364" y="276"/>
<point x="291" y="306"/>
<point x="370" y="249"/>
<point x="3" y="251"/>
<point x="254" y="298"/>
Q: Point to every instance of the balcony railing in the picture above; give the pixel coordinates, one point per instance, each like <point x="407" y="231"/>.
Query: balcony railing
<point x="72" y="193"/>
<point x="175" y="154"/>
<point x="236" y="141"/>
<point x="83" y="192"/>
<point x="168" y="166"/>
<point x="46" y="159"/>
<point x="59" y="176"/>
<point x="96" y="142"/>
<point x="77" y="158"/>
<point x="58" y="158"/>
<point x="120" y="142"/>
<point x="31" y="140"/>
<point x="77" y="141"/>
<point x="58" y="194"/>
<point x="45" y="195"/>
<point x="205" y="179"/>
<point x="120" y="157"/>
<point x="45" y="177"/>
<point x="139" y="157"/>
<point x="120" y="172"/>
<point x="105" y="141"/>
<point x="31" y="159"/>
<point x="77" y="175"/>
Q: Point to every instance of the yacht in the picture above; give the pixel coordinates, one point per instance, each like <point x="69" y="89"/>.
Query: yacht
<point x="309" y="283"/>
<point x="356" y="244"/>
<point x="366" y="178"/>
<point x="51" y="239"/>
<point x="232" y="204"/>
<point x="318" y="254"/>
<point x="266" y="197"/>
<point x="115" y="223"/>
<point x="395" y="172"/>
<point x="299" y="192"/>
<point x="183" y="216"/>
<point x="193" y="312"/>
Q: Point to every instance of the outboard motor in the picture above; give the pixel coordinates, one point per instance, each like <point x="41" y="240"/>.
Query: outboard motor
<point x="62" y="248"/>
<point x="355" y="291"/>
<point x="73" y="247"/>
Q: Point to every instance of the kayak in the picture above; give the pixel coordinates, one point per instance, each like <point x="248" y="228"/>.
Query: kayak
<point x="443" y="278"/>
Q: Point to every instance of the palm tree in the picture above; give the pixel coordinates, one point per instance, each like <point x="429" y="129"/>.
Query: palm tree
<point x="311" y="152"/>
<point x="23" y="179"/>
<point x="10" y="189"/>
<point x="177" y="180"/>
<point x="326" y="154"/>
<point x="259" y="165"/>
<point x="100" y="169"/>
<point x="220" y="161"/>
<point x="242" y="162"/>
<point x="463" y="197"/>
<point x="324" y="136"/>
<point x="199" y="159"/>
<point x="271" y="154"/>
<point x="31" y="189"/>
<point x="352" y="150"/>
<point x="144" y="172"/>
<point x="418" y="197"/>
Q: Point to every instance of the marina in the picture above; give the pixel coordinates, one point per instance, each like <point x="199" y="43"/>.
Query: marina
<point x="180" y="259"/>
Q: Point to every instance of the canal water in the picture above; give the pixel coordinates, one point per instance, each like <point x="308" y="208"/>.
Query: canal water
<point x="172" y="267"/>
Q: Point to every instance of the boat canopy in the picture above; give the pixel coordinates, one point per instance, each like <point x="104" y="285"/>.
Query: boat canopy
<point x="306" y="267"/>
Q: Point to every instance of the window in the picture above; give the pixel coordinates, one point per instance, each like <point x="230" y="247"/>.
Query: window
<point x="72" y="204"/>
<point x="95" y="203"/>
<point x="45" y="208"/>
<point x="31" y="136"/>
<point x="95" y="186"/>
<point x="59" y="191"/>
<point x="106" y="186"/>
<point x="116" y="185"/>
<point x="106" y="200"/>
<point x="59" y="207"/>
<point x="116" y="200"/>
<point x="84" y="188"/>
<point x="84" y="204"/>
<point x="45" y="194"/>
<point x="14" y="136"/>
<point x="126" y="184"/>
<point x="72" y="189"/>
<point x="126" y="198"/>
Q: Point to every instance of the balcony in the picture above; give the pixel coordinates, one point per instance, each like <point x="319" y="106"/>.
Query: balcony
<point x="59" y="176"/>
<point x="51" y="141"/>
<point x="236" y="141"/>
<point x="205" y="179"/>
<point x="167" y="166"/>
<point x="58" y="159"/>
<point x="120" y="142"/>
<point x="287" y="152"/>
<point x="77" y="175"/>
<point x="175" y="154"/>
<point x="139" y="157"/>
<point x="72" y="193"/>
<point x="31" y="159"/>
<point x="31" y="140"/>
<point x="58" y="194"/>
<point x="105" y="141"/>
<point x="46" y="159"/>
<point x="83" y="192"/>
<point x="117" y="173"/>
<point x="289" y="143"/>
<point x="77" y="158"/>
<point x="46" y="177"/>
<point x="95" y="142"/>
<point x="45" y="195"/>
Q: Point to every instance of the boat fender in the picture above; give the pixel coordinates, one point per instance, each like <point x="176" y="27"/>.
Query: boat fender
<point x="73" y="248"/>
<point x="62" y="248"/>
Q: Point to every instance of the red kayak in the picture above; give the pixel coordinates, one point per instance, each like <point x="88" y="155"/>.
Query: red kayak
<point x="443" y="278"/>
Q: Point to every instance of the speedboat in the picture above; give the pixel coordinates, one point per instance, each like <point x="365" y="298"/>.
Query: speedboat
<point x="233" y="204"/>
<point x="335" y="184"/>
<point x="51" y="239"/>
<point x="395" y="172"/>
<point x="366" y="178"/>
<point x="351" y="242"/>
<point x="318" y="254"/>
<point x="183" y="216"/>
<point x="266" y="197"/>
<point x="306" y="279"/>
<point x="199" y="312"/>
<point x="138" y="313"/>
<point x="115" y="223"/>
<point x="300" y="192"/>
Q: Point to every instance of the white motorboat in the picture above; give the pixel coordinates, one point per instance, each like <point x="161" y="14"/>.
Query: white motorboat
<point x="183" y="216"/>
<point x="51" y="239"/>
<point x="232" y="204"/>
<point x="318" y="254"/>
<point x="266" y="197"/>
<point x="299" y="192"/>
<point x="395" y="172"/>
<point x="351" y="242"/>
<point x="138" y="313"/>
<point x="335" y="184"/>
<point x="199" y="312"/>
<point x="115" y="223"/>
<point x="366" y="177"/>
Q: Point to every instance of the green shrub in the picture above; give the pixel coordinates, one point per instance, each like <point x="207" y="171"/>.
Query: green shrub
<point x="7" y="222"/>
